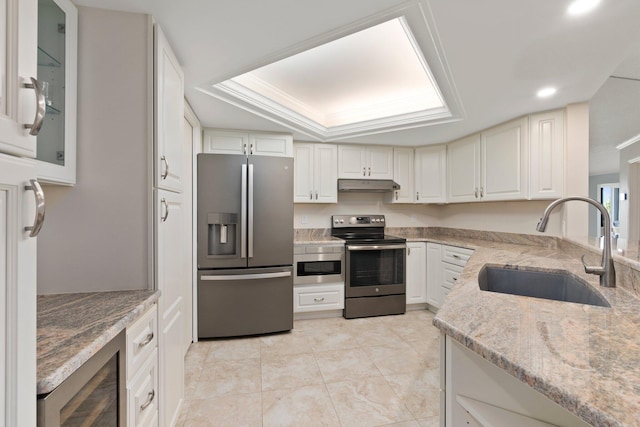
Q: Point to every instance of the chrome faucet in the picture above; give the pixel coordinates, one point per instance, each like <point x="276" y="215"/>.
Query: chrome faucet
<point x="606" y="271"/>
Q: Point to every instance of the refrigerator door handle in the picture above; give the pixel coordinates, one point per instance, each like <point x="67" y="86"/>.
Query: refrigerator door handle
<point x="250" y="228"/>
<point x="247" y="276"/>
<point x="243" y="213"/>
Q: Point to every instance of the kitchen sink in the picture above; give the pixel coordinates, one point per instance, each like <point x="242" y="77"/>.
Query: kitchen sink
<point x="557" y="285"/>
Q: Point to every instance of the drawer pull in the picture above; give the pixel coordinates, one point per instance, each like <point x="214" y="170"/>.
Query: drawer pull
<point x="318" y="299"/>
<point x="150" y="397"/>
<point x="146" y="340"/>
<point x="456" y="256"/>
<point x="455" y="279"/>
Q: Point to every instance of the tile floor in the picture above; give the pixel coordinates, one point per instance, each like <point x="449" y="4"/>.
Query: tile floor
<point x="377" y="371"/>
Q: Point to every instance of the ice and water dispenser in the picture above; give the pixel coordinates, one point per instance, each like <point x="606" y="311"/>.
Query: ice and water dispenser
<point x="222" y="233"/>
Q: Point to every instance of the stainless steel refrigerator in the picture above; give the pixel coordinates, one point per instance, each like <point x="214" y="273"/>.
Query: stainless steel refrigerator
<point x="245" y="245"/>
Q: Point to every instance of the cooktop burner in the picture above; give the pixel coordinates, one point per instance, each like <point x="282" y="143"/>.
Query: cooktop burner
<point x="358" y="229"/>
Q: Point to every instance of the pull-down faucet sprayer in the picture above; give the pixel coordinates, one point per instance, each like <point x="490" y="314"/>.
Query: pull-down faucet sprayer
<point x="606" y="271"/>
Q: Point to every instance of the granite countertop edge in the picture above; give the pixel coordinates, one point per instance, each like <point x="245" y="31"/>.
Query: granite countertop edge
<point x="70" y="365"/>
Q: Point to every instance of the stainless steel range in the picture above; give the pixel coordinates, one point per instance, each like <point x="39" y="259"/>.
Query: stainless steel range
<point x="375" y="273"/>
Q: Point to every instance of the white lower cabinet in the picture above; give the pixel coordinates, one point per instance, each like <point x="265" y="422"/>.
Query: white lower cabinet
<point x="444" y="266"/>
<point x="477" y="393"/>
<point x="142" y="370"/>
<point x="310" y="298"/>
<point x="416" y="273"/>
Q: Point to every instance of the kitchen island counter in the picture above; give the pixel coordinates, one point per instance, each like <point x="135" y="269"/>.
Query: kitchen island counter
<point x="584" y="358"/>
<point x="73" y="327"/>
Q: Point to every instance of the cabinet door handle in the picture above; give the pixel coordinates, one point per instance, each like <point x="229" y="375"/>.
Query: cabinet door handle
<point x="408" y="251"/>
<point x="369" y="170"/>
<point x="251" y="149"/>
<point x="316" y="194"/>
<point x="166" y="167"/>
<point x="417" y="195"/>
<point x="318" y="299"/>
<point x="166" y="211"/>
<point x="397" y="195"/>
<point x="310" y="195"/>
<point x="41" y="107"/>
<point x="39" y="218"/>
<point x="150" y="397"/>
<point x="146" y="340"/>
<point x="481" y="192"/>
<point x="364" y="171"/>
<point x="476" y="192"/>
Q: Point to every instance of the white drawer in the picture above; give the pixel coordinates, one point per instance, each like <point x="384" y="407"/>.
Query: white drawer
<point x="450" y="275"/>
<point x="142" y="338"/>
<point x="142" y="394"/>
<point x="318" y="297"/>
<point x="455" y="255"/>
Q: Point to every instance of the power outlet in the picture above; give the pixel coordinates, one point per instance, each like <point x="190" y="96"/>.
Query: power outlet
<point x="304" y="219"/>
<point x="413" y="218"/>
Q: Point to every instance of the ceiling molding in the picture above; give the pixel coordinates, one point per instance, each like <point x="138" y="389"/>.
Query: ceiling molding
<point x="419" y="27"/>
<point x="628" y="142"/>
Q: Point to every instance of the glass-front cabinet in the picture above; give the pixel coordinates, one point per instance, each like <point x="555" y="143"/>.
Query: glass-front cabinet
<point x="57" y="74"/>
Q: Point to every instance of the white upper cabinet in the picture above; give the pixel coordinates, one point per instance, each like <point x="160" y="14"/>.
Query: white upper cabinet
<point x="463" y="169"/>
<point x="169" y="115"/>
<point x="403" y="175"/>
<point x="247" y="143"/>
<point x="57" y="72"/>
<point x="504" y="161"/>
<point x="431" y="174"/>
<point x="315" y="173"/>
<point x="491" y="165"/>
<point x="546" y="175"/>
<point x="365" y="162"/>
<point x="20" y="100"/>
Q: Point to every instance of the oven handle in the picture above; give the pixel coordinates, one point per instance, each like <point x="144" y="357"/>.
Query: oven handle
<point x="374" y="247"/>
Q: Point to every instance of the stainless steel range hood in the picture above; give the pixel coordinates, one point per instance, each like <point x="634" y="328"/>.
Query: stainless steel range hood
<point x="368" y="185"/>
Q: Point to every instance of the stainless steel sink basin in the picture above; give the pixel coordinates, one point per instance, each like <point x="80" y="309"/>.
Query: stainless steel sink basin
<point x="557" y="285"/>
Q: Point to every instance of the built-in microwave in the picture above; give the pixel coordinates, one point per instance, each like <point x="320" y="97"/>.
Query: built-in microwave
<point x="318" y="264"/>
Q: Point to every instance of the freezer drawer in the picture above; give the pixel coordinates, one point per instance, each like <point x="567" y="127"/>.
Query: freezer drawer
<point x="244" y="301"/>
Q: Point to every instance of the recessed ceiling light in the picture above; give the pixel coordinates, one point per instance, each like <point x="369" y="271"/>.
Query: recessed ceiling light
<point x="578" y="7"/>
<point x="546" y="92"/>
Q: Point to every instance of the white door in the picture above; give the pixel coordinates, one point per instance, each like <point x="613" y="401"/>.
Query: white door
<point x="352" y="162"/>
<point x="172" y="276"/>
<point x="18" y="64"/>
<point x="504" y="156"/>
<point x="380" y="162"/>
<point x="17" y="294"/>
<point x="169" y="114"/>
<point x="403" y="175"/>
<point x="431" y="174"/>
<point x="463" y="169"/>
<point x="325" y="173"/>
<point x="303" y="171"/>
<point x="434" y="274"/>
<point x="416" y="273"/>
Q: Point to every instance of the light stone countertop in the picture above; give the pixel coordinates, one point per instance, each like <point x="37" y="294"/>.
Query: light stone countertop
<point x="73" y="327"/>
<point x="584" y="358"/>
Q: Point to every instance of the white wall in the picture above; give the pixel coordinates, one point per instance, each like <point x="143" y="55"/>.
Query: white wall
<point x="511" y="217"/>
<point x="576" y="220"/>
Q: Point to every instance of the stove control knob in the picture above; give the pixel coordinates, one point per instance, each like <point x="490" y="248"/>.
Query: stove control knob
<point x="342" y="221"/>
<point x="381" y="219"/>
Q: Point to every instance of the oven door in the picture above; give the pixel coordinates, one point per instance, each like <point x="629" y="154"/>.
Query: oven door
<point x="374" y="270"/>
